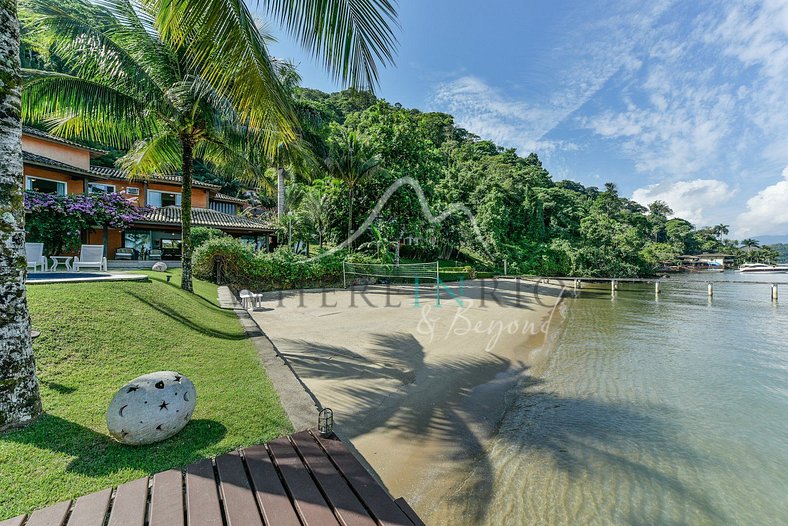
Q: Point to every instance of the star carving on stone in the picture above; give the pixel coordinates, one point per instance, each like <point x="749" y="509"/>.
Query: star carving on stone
<point x="163" y="405"/>
<point x="132" y="389"/>
<point x="177" y="378"/>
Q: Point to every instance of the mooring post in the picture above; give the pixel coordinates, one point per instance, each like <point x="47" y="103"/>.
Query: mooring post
<point x="774" y="291"/>
<point x="613" y="285"/>
<point x="711" y="289"/>
<point x="656" y="287"/>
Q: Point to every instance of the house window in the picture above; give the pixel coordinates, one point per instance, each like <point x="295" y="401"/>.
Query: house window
<point x="159" y="199"/>
<point x="45" y="186"/>
<point x="99" y="188"/>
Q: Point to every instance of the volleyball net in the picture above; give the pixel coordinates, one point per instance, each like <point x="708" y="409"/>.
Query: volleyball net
<point x="403" y="272"/>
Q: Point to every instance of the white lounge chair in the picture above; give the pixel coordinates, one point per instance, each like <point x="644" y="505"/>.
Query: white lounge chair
<point x="250" y="299"/>
<point x="90" y="256"/>
<point x="35" y="256"/>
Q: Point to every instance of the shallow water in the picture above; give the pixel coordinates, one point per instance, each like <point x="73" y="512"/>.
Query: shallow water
<point x="644" y="411"/>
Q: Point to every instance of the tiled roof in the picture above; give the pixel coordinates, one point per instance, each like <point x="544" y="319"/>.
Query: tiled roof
<point x="40" y="160"/>
<point x="229" y="199"/>
<point x="114" y="173"/>
<point x="27" y="130"/>
<point x="171" y="215"/>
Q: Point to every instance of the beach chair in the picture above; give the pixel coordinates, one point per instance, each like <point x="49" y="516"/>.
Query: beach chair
<point x="90" y="256"/>
<point x="35" y="256"/>
<point x="250" y="300"/>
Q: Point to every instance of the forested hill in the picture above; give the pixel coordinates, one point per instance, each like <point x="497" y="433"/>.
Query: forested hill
<point x="538" y="225"/>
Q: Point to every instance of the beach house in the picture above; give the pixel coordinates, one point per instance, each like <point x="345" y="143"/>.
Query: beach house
<point x="58" y="166"/>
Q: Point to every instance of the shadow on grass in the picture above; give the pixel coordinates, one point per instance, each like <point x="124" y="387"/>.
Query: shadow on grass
<point x="96" y="455"/>
<point x="195" y="326"/>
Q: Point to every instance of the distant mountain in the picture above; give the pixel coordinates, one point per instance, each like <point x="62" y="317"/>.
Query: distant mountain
<point x="771" y="240"/>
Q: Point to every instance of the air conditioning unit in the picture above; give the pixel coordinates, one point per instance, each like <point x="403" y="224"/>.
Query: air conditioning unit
<point x="133" y="190"/>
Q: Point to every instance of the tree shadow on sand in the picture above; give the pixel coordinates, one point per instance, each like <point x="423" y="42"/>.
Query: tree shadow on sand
<point x="577" y="434"/>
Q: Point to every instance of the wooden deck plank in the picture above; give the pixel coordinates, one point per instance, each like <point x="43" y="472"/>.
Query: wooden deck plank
<point x="166" y="501"/>
<point x="346" y="504"/>
<point x="375" y="498"/>
<point x="52" y="516"/>
<point x="202" y="497"/>
<point x="91" y="510"/>
<point x="405" y="507"/>
<point x="130" y="503"/>
<point x="240" y="507"/>
<point x="16" y="521"/>
<point x="271" y="495"/>
<point x="309" y="503"/>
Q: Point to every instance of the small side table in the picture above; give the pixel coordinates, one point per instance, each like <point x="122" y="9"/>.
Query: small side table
<point x="57" y="260"/>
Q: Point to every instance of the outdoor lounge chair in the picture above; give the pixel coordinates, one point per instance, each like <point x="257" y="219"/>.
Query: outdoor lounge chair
<point x="90" y="256"/>
<point x="124" y="253"/>
<point x="35" y="256"/>
<point x="155" y="254"/>
<point x="250" y="300"/>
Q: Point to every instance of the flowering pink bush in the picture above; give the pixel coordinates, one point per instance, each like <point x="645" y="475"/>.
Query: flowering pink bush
<point x="58" y="220"/>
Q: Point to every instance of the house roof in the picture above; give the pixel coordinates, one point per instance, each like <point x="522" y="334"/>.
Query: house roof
<point x="114" y="173"/>
<point x="46" y="162"/>
<point x="229" y="199"/>
<point x="171" y="215"/>
<point x="27" y="130"/>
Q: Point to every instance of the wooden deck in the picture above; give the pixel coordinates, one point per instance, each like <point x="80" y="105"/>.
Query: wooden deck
<point x="303" y="479"/>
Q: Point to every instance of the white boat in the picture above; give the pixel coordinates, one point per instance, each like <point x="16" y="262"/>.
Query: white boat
<point x="762" y="268"/>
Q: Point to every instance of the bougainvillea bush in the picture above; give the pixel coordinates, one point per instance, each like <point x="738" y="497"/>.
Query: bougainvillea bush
<point x="59" y="220"/>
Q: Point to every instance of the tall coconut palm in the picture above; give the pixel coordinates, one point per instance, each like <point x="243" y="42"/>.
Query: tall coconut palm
<point x="350" y="160"/>
<point x="19" y="399"/>
<point x="750" y="244"/>
<point x="129" y="89"/>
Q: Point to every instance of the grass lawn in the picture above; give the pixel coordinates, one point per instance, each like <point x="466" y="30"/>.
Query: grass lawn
<point x="97" y="336"/>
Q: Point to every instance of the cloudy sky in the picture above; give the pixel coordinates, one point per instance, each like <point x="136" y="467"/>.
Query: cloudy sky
<point x="681" y="101"/>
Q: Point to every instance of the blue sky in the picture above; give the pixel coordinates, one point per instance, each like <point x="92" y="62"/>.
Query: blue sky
<point x="681" y="101"/>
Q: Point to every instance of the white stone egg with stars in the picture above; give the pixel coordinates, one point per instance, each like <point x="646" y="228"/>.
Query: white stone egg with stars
<point x="151" y="408"/>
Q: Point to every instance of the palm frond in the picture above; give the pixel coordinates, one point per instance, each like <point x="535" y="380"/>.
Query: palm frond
<point x="160" y="154"/>
<point x="76" y="108"/>
<point x="350" y="37"/>
<point x="231" y="163"/>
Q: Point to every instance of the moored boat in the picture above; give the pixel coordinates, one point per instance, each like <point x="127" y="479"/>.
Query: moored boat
<point x="763" y="268"/>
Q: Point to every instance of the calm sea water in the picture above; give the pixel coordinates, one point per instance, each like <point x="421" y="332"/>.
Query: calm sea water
<point x="644" y="411"/>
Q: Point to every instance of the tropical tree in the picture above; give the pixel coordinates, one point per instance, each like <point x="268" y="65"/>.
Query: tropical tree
<point x="129" y="89"/>
<point x="351" y="160"/>
<point x="721" y="230"/>
<point x="20" y="402"/>
<point x="750" y="244"/>
<point x="314" y="206"/>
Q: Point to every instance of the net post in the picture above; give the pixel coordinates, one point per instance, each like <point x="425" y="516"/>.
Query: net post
<point x="344" y="277"/>
<point x="437" y="284"/>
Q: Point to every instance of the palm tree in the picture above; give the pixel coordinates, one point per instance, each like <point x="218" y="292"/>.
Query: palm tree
<point x="721" y="230"/>
<point x="129" y="89"/>
<point x="350" y="160"/>
<point x="750" y="244"/>
<point x="20" y="402"/>
<point x="314" y="206"/>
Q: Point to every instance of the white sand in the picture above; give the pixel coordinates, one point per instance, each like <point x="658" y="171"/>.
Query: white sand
<point x="417" y="389"/>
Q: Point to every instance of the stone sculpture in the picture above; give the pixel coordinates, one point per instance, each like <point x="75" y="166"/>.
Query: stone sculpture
<point x="151" y="408"/>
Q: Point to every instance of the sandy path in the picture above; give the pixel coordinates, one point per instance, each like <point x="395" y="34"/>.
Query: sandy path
<point x="417" y="389"/>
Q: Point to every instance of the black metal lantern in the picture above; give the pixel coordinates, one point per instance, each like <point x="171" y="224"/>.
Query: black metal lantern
<point x="325" y="422"/>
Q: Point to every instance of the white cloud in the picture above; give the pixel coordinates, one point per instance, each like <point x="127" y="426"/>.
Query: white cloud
<point x="689" y="200"/>
<point x="767" y="211"/>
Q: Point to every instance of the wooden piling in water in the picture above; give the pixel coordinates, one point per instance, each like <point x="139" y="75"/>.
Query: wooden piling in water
<point x="774" y="292"/>
<point x="656" y="287"/>
<point x="710" y="289"/>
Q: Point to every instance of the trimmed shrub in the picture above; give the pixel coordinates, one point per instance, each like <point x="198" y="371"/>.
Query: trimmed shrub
<point x="203" y="234"/>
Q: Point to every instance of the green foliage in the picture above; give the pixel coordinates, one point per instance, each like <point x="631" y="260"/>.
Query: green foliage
<point x="229" y="261"/>
<point x="202" y="234"/>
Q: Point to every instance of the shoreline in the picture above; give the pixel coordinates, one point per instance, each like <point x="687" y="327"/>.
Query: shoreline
<point x="417" y="389"/>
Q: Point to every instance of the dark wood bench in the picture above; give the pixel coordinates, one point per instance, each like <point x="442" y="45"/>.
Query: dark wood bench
<point x="303" y="479"/>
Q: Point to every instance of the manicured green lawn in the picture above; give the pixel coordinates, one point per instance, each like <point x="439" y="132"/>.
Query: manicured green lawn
<point x="97" y="336"/>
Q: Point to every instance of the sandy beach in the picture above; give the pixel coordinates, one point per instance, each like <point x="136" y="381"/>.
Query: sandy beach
<point x="417" y="388"/>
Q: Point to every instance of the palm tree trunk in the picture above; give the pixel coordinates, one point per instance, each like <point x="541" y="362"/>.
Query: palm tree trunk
<point x="187" y="143"/>
<point x="350" y="216"/>
<point x="280" y="192"/>
<point x="20" y="402"/>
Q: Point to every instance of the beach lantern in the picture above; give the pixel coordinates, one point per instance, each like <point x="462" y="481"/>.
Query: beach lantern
<point x="325" y="422"/>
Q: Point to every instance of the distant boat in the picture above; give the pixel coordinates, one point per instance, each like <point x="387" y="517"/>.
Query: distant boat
<point x="762" y="268"/>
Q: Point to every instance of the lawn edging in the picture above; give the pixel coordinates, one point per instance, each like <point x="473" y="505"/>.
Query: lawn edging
<point x="300" y="405"/>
